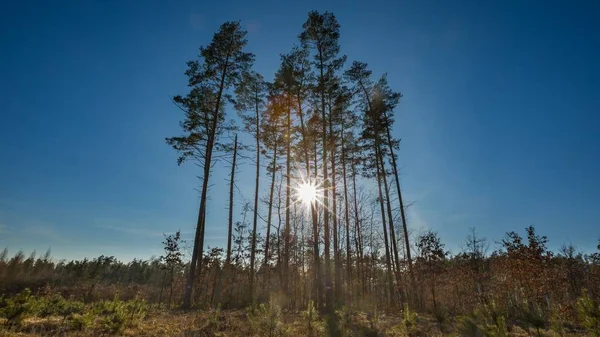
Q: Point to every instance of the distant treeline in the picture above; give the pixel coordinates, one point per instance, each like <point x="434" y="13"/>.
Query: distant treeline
<point x="522" y="274"/>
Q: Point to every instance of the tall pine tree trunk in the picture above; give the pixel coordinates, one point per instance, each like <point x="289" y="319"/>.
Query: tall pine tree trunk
<point x="254" y="223"/>
<point x="199" y="237"/>
<point x="402" y="211"/>
<point x="269" y="214"/>
<point x="392" y="230"/>
<point x="383" y="219"/>
<point x="336" y="247"/>
<point x="328" y="285"/>
<point x="286" y="230"/>
<point x="357" y="232"/>
<point x="346" y="217"/>
<point x="313" y="210"/>
<point x="321" y="290"/>
<point x="231" y="186"/>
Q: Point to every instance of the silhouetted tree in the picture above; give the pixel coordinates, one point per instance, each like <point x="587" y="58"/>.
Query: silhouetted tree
<point x="172" y="260"/>
<point x="221" y="65"/>
<point x="321" y="35"/>
<point x="250" y="97"/>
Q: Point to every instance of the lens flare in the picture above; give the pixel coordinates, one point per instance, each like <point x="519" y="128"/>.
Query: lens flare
<point x="306" y="193"/>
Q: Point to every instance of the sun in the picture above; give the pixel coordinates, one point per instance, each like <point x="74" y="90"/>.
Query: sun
<point x="307" y="193"/>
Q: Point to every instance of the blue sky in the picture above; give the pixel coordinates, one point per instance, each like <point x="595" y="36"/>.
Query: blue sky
<point x="499" y="120"/>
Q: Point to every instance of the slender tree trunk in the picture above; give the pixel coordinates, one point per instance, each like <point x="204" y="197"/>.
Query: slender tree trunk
<point x="391" y="226"/>
<point x="162" y="286"/>
<point x="227" y="266"/>
<point x="313" y="212"/>
<point x="231" y="185"/>
<point x="286" y="234"/>
<point x="273" y="173"/>
<point x="328" y="286"/>
<point x="357" y="236"/>
<point x="302" y="262"/>
<point x="385" y="234"/>
<point x="294" y="248"/>
<point x="170" y="290"/>
<point x="321" y="290"/>
<point x="199" y="237"/>
<point x="216" y="280"/>
<point x="279" y="234"/>
<point x="346" y="217"/>
<point x="402" y="211"/>
<point x="336" y="244"/>
<point x="255" y="220"/>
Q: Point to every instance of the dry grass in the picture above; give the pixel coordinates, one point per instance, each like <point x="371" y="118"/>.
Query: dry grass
<point x="237" y="323"/>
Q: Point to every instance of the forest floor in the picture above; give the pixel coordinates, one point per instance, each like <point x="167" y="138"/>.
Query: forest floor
<point x="243" y="323"/>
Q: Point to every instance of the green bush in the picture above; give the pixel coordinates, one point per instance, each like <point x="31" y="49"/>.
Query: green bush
<point x="113" y="316"/>
<point x="15" y="309"/>
<point x="314" y="326"/>
<point x="56" y="305"/>
<point x="265" y="319"/>
<point x="408" y="325"/>
<point x="82" y="321"/>
<point x="589" y="313"/>
<point x="557" y="321"/>
<point x="409" y="320"/>
<point x="441" y="317"/>
<point x="468" y="326"/>
<point x="486" y="321"/>
<point x="533" y="315"/>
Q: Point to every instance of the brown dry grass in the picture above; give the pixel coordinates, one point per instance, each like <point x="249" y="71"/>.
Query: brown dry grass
<point x="236" y="323"/>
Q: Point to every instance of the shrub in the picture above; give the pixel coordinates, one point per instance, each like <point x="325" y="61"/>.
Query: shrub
<point x="589" y="313"/>
<point x="408" y="325"/>
<point x="136" y="310"/>
<point x="265" y="319"/>
<point x="113" y="316"/>
<point x="557" y="320"/>
<point x="314" y="327"/>
<point x="487" y="321"/>
<point x="56" y="305"/>
<point x="15" y="309"/>
<point x="468" y="326"/>
<point x="409" y="320"/>
<point x="82" y="321"/>
<point x="533" y="315"/>
<point x="441" y="317"/>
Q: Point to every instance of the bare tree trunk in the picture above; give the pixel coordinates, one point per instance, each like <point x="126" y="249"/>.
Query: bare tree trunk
<point x="319" y="285"/>
<point x="231" y="185"/>
<point x="279" y="250"/>
<point x="294" y="241"/>
<point x="357" y="232"/>
<point x="286" y="235"/>
<point x="162" y="286"/>
<point x="199" y="237"/>
<point x="302" y="263"/>
<point x="328" y="290"/>
<point x="313" y="211"/>
<point x="385" y="234"/>
<point x="255" y="220"/>
<point x="336" y="245"/>
<point x="402" y="211"/>
<point x="269" y="214"/>
<point x="346" y="217"/>
<point x="170" y="290"/>
<point x="391" y="227"/>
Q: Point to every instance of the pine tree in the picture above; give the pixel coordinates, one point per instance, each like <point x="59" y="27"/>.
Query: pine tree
<point x="250" y="97"/>
<point x="221" y="65"/>
<point x="321" y="34"/>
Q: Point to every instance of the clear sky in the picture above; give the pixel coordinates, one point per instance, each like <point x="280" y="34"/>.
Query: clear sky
<point x="499" y="120"/>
